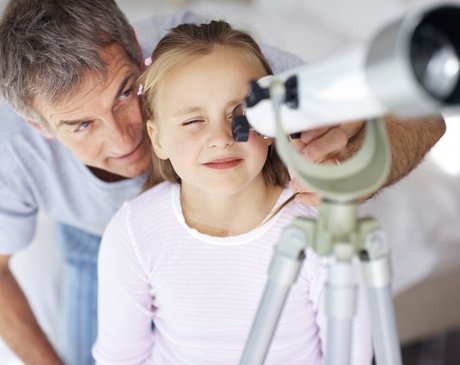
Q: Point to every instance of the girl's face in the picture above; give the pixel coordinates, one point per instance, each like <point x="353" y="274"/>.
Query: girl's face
<point x="192" y="126"/>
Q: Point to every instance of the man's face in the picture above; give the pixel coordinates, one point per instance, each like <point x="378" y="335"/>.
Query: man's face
<point x="102" y="125"/>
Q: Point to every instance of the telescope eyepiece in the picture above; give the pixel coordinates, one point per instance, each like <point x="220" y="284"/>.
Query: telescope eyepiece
<point x="256" y="94"/>
<point x="240" y="125"/>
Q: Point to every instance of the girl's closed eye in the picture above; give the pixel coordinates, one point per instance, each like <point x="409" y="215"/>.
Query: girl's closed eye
<point x="196" y="121"/>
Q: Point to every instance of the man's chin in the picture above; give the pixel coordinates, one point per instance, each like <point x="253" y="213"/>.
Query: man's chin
<point x="113" y="175"/>
<point x="131" y="173"/>
<point x="105" y="175"/>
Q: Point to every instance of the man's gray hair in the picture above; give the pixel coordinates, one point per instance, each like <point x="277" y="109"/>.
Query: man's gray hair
<point x="47" y="46"/>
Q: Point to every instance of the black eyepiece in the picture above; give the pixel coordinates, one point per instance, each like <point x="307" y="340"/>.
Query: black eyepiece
<point x="240" y="125"/>
<point x="256" y="94"/>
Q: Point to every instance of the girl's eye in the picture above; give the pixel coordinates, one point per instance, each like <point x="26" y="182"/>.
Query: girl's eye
<point x="191" y="122"/>
<point x="81" y="126"/>
<point x="238" y="111"/>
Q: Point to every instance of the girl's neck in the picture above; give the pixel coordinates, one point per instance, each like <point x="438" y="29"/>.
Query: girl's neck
<point x="230" y="215"/>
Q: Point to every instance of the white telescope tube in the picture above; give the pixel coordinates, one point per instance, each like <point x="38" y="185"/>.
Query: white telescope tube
<point x="411" y="68"/>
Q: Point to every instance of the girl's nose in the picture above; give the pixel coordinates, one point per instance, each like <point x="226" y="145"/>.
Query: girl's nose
<point x="221" y="135"/>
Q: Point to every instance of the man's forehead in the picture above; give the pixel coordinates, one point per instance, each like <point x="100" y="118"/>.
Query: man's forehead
<point x="94" y="86"/>
<point x="90" y="84"/>
<point x="93" y="92"/>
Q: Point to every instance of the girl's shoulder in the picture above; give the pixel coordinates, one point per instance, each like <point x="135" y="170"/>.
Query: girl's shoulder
<point x="158" y="192"/>
<point x="147" y="215"/>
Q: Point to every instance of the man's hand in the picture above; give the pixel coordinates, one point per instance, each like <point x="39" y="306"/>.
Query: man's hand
<point x="410" y="140"/>
<point x="326" y="145"/>
<point x="323" y="144"/>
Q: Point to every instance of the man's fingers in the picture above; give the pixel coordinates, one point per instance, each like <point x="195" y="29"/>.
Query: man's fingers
<point x="304" y="196"/>
<point x="295" y="186"/>
<point x="303" y="138"/>
<point x="313" y="134"/>
<point x="329" y="144"/>
<point x="310" y="199"/>
<point x="351" y="128"/>
<point x="322" y="145"/>
<point x="330" y="161"/>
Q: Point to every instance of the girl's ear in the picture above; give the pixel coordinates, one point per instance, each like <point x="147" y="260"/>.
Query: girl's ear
<point x="40" y="128"/>
<point x="154" y="134"/>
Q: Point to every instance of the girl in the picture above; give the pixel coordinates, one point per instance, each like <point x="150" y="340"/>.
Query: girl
<point x="191" y="254"/>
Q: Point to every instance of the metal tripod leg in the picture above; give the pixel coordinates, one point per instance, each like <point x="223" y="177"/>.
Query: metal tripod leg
<point x="340" y="308"/>
<point x="340" y="290"/>
<point x="377" y="276"/>
<point x="284" y="269"/>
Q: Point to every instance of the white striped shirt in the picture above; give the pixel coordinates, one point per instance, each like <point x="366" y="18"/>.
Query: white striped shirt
<point x="202" y="292"/>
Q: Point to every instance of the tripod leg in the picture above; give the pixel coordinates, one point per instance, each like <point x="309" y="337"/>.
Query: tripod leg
<point x="283" y="272"/>
<point x="377" y="275"/>
<point x="340" y="308"/>
<point x="264" y="325"/>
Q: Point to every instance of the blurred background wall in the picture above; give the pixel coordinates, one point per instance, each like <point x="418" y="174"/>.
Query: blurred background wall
<point x="420" y="214"/>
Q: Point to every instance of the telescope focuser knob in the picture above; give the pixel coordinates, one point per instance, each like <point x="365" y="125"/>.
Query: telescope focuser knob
<point x="256" y="94"/>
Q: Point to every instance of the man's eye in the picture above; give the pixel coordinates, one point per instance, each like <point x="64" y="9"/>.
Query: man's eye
<point x="126" y="93"/>
<point x="81" y="126"/>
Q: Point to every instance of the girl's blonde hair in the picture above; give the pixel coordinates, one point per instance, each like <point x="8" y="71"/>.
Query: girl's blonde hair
<point x="181" y="45"/>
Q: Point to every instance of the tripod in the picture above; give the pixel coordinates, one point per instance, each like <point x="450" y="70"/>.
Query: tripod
<point x="339" y="235"/>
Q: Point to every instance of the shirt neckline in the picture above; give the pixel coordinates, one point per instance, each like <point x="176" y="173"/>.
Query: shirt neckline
<point x="228" y="240"/>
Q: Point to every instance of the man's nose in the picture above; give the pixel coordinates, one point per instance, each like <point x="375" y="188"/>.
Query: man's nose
<point x="120" y="136"/>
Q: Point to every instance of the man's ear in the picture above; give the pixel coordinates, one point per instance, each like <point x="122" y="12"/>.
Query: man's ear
<point x="154" y="134"/>
<point x="39" y="127"/>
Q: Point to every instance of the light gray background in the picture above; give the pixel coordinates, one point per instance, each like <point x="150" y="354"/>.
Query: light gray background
<point x="312" y="29"/>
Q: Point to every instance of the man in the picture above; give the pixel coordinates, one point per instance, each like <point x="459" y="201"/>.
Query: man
<point x="69" y="68"/>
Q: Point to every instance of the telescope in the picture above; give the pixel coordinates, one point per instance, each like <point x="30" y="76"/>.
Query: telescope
<point x="410" y="68"/>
